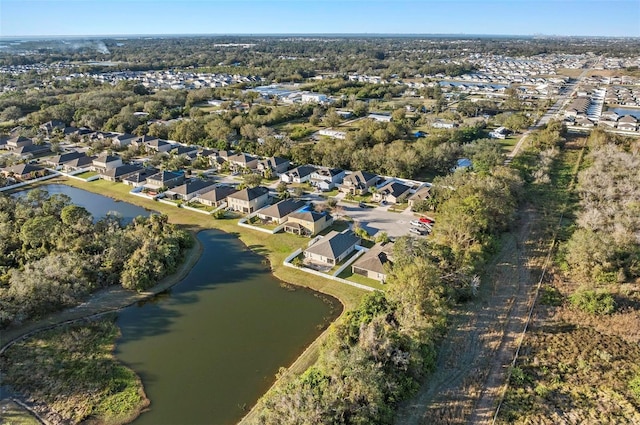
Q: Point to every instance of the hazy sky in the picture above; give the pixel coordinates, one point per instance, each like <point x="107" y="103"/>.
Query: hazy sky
<point x="511" y="17"/>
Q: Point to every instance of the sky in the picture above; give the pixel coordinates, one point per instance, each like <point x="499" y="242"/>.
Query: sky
<point x="505" y="17"/>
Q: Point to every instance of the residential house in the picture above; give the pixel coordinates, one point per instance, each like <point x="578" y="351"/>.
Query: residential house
<point x="375" y="262"/>
<point x="187" y="150"/>
<point x="420" y="195"/>
<point x="393" y="193"/>
<point x="190" y="189"/>
<point x="358" y="182"/>
<point x="443" y="124"/>
<point x="499" y="133"/>
<point x="332" y="248"/>
<point x="276" y="164"/>
<point x="106" y="162"/>
<point x="23" y="172"/>
<point x="138" y="179"/>
<point x="81" y="162"/>
<point x="242" y="161"/>
<point x="29" y="151"/>
<point x="307" y="223"/>
<point x="166" y="179"/>
<point x="334" y="134"/>
<point x="62" y="158"/>
<point x="314" y="98"/>
<point x="18" y="142"/>
<point x="248" y="200"/>
<point x="327" y="179"/>
<point x="216" y="196"/>
<point x="584" y="122"/>
<point x="277" y="213"/>
<point x="48" y="127"/>
<point x="120" y="172"/>
<point x="609" y="116"/>
<point x="299" y="174"/>
<point x="123" y="140"/>
<point x="380" y="117"/>
<point x="628" y="123"/>
<point x="578" y="107"/>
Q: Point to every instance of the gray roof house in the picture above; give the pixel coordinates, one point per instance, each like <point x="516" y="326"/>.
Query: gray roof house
<point x="391" y="192"/>
<point x="122" y="140"/>
<point x="358" y="182"/>
<point x="243" y="160"/>
<point x="421" y="194"/>
<point x="118" y="173"/>
<point x="59" y="159"/>
<point x="276" y="164"/>
<point x="105" y="162"/>
<point x="216" y="196"/>
<point x="300" y="174"/>
<point x="327" y="178"/>
<point x="332" y="248"/>
<point x="307" y="223"/>
<point x="248" y="200"/>
<point x="190" y="189"/>
<point x="78" y="163"/>
<point x="278" y="213"/>
<point x="166" y="179"/>
<point x="24" y="172"/>
<point x="138" y="179"/>
<point x="373" y="264"/>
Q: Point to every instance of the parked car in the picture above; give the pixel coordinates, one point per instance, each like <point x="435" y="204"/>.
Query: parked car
<point x="415" y="231"/>
<point x="425" y="220"/>
<point x="415" y="223"/>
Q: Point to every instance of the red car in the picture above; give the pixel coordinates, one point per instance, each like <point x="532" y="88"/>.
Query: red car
<point x="425" y="220"/>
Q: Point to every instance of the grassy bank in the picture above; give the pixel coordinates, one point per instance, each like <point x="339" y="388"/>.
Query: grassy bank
<point x="72" y="375"/>
<point x="274" y="247"/>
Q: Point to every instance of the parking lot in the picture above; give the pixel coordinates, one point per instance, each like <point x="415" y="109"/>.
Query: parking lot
<point x="375" y="220"/>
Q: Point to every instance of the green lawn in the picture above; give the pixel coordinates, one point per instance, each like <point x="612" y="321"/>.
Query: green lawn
<point x="509" y="142"/>
<point x="347" y="274"/>
<point x="398" y="207"/>
<point x="86" y="174"/>
<point x="199" y="206"/>
<point x="330" y="194"/>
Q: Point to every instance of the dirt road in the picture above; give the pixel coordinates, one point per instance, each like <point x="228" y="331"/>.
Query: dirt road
<point x="478" y="349"/>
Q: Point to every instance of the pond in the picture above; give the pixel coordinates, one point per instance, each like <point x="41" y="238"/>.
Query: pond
<point x="211" y="347"/>
<point x="626" y="111"/>
<point x="208" y="348"/>
<point x="97" y="205"/>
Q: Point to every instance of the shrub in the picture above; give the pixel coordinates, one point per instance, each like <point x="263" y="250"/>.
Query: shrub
<point x="593" y="302"/>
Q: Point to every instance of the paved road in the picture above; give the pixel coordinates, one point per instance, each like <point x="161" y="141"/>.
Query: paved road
<point x="552" y="112"/>
<point x="375" y="220"/>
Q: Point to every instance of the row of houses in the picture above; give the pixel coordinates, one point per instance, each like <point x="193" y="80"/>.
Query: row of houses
<point x="611" y="119"/>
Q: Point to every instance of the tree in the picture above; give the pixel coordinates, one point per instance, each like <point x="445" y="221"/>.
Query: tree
<point x="252" y="179"/>
<point x="11" y="113"/>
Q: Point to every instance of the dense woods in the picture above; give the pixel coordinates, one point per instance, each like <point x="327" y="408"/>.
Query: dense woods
<point x="52" y="254"/>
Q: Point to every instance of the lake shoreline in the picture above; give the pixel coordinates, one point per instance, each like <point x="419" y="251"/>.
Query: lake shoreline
<point x="302" y="361"/>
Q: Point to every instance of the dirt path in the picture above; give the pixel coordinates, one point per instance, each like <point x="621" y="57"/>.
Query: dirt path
<point x="102" y="302"/>
<point x="479" y="346"/>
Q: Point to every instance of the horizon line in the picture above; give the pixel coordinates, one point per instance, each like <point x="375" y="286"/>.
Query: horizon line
<point x="329" y="34"/>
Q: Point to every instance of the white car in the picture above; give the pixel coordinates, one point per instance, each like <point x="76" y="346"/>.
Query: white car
<point x="416" y="231"/>
<point x="415" y="223"/>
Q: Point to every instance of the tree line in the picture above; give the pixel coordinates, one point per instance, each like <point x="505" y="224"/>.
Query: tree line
<point x="52" y="253"/>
